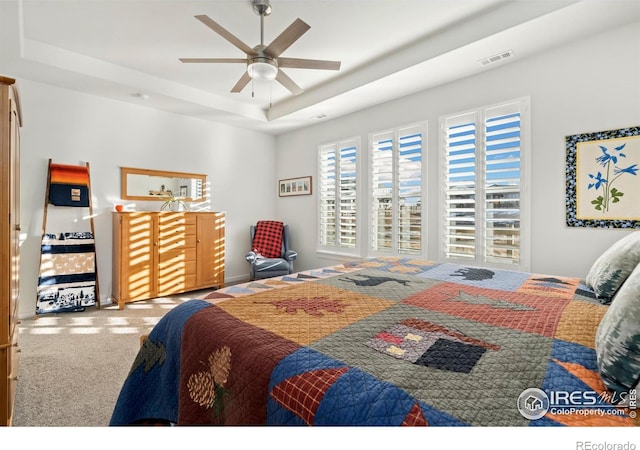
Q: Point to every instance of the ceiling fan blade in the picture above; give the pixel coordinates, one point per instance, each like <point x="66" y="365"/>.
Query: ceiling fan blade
<point x="225" y="34"/>
<point x="214" y="60"/>
<point x="298" y="63"/>
<point x="242" y="82"/>
<point x="286" y="38"/>
<point x="287" y="82"/>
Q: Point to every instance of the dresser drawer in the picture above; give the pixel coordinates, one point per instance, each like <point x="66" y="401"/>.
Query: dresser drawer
<point x="176" y="256"/>
<point x="175" y="223"/>
<point x="175" y="282"/>
<point x="175" y="240"/>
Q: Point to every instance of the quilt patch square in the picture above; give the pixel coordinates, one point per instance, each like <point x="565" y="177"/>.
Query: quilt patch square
<point x="482" y="277"/>
<point x="304" y="312"/>
<point x="431" y="345"/>
<point x="579" y="322"/>
<point x="450" y="355"/>
<point x="403" y="342"/>
<point x="381" y="284"/>
<point x="395" y="265"/>
<point x="518" y="311"/>
<point x="548" y="286"/>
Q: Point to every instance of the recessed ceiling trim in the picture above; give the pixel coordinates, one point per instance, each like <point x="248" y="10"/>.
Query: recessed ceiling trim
<point x="66" y="60"/>
<point x="485" y="23"/>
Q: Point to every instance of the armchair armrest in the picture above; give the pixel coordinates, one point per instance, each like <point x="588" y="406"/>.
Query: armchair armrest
<point x="251" y="257"/>
<point x="290" y="255"/>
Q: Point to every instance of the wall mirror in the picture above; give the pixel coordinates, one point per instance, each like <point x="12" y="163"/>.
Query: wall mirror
<point x="145" y="184"/>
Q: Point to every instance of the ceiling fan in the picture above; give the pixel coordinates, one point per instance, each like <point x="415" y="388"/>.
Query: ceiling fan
<point x="264" y="62"/>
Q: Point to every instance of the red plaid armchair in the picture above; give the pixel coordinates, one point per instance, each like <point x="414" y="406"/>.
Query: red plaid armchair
<point x="270" y="255"/>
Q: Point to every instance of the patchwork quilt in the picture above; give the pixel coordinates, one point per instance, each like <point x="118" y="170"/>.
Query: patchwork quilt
<point x="378" y="342"/>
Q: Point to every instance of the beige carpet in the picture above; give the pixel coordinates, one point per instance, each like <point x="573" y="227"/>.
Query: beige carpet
<point x="72" y="365"/>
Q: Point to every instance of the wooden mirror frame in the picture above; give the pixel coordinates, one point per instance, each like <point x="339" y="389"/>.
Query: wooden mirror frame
<point x="199" y="179"/>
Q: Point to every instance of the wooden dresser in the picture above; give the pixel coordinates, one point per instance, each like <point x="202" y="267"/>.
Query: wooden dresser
<point x="10" y="122"/>
<point x="162" y="253"/>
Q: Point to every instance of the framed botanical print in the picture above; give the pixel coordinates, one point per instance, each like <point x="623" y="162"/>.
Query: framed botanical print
<point x="603" y="185"/>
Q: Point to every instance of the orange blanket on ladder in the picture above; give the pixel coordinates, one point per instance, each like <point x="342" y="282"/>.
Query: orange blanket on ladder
<point x="69" y="185"/>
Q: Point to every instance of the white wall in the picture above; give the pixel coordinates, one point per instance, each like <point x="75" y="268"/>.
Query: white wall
<point x="70" y="128"/>
<point x="587" y="86"/>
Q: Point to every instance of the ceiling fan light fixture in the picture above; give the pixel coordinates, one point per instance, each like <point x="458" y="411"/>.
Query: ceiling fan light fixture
<point x="262" y="69"/>
<point x="263" y="61"/>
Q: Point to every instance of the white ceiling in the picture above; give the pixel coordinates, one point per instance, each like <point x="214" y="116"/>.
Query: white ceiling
<point x="129" y="50"/>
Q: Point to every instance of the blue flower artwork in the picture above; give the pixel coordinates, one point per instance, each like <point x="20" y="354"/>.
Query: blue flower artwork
<point x="610" y="194"/>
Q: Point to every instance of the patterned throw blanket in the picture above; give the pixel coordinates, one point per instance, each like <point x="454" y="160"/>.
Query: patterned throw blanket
<point x="67" y="279"/>
<point x="267" y="240"/>
<point x="382" y="341"/>
<point x="69" y="185"/>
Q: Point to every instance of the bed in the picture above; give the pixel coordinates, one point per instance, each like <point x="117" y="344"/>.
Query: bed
<point x="380" y="342"/>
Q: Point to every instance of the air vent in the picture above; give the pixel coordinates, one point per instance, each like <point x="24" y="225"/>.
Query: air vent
<point x="497" y="58"/>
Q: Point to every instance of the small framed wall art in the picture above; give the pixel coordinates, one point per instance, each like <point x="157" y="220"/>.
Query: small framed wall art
<point x="603" y="184"/>
<point x="294" y="186"/>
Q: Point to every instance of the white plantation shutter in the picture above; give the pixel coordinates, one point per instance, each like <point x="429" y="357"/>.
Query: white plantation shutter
<point x="338" y="195"/>
<point x="328" y="183"/>
<point x="348" y="198"/>
<point x="460" y="188"/>
<point x="382" y="190"/>
<point x="396" y="187"/>
<point x="482" y="189"/>
<point x="502" y="185"/>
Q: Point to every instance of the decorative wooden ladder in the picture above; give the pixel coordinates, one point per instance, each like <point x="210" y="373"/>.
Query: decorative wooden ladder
<point x="68" y="278"/>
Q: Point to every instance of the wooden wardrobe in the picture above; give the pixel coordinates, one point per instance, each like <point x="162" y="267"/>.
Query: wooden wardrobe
<point x="10" y="122"/>
<point x="162" y="253"/>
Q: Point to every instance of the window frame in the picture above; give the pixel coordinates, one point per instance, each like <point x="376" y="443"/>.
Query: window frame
<point x="338" y="250"/>
<point x="480" y="117"/>
<point x="397" y="134"/>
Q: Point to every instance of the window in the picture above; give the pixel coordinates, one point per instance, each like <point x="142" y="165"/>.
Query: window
<point x="483" y="184"/>
<point x="338" y="198"/>
<point x="397" y="191"/>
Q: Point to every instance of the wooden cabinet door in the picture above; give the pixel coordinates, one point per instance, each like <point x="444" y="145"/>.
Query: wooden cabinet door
<point x="138" y="248"/>
<point x="210" y="249"/>
<point x="176" y="253"/>
<point x="5" y="396"/>
<point x="14" y="155"/>
<point x="9" y="245"/>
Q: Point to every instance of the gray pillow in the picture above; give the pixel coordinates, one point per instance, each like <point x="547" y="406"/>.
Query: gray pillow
<point x="612" y="268"/>
<point x="618" y="338"/>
